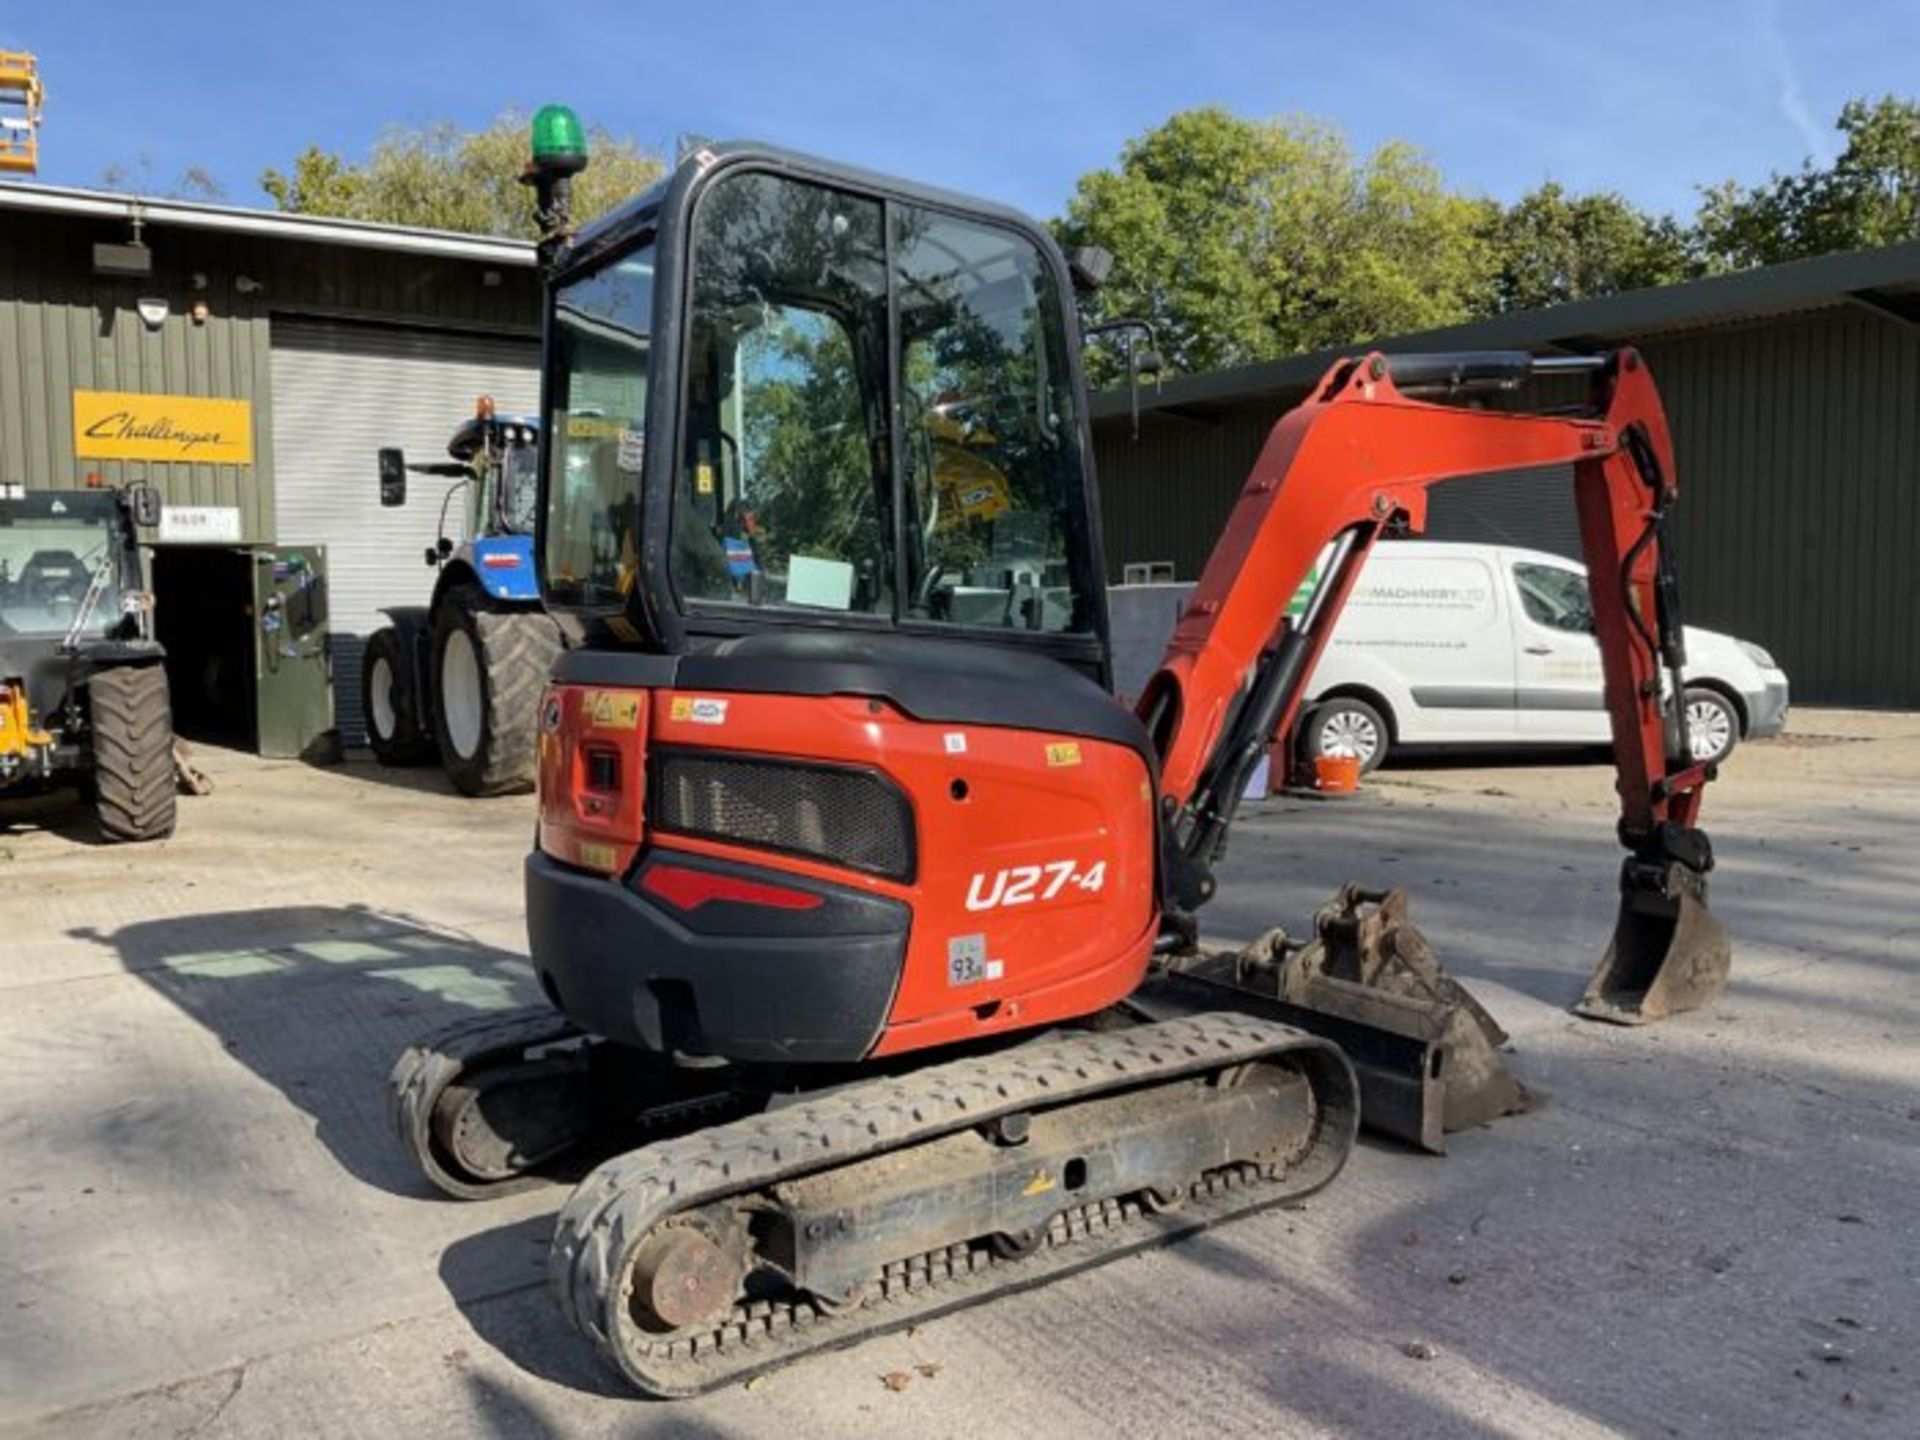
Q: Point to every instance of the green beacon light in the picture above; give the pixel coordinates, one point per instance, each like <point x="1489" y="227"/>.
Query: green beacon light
<point x="559" y="142"/>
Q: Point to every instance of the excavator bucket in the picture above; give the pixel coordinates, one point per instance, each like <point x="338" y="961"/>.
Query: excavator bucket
<point x="1668" y="952"/>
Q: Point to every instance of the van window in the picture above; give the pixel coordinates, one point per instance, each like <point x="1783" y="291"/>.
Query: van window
<point x="1555" y="598"/>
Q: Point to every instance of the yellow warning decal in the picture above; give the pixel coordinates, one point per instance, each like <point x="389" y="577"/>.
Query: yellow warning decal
<point x="1067" y="752"/>
<point x="598" y="857"/>
<point x="1039" y="1185"/>
<point x="613" y="710"/>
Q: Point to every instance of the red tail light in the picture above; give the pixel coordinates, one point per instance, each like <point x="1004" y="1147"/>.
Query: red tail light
<point x="686" y="889"/>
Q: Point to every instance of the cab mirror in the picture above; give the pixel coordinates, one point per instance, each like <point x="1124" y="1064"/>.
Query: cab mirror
<point x="146" y="506"/>
<point x="393" y="476"/>
<point x="1090" y="265"/>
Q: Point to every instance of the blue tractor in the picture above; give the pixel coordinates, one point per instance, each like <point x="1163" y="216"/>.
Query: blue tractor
<point x="461" y="676"/>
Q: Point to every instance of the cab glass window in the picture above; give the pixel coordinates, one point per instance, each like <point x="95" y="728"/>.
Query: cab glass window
<point x="1555" y="598"/>
<point x="601" y="326"/>
<point x="993" y="488"/>
<point x="783" y="496"/>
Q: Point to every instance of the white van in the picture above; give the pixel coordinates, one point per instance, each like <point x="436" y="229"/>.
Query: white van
<point x="1488" y="645"/>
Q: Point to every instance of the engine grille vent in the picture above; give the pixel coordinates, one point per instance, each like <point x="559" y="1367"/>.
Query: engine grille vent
<point x="838" y="814"/>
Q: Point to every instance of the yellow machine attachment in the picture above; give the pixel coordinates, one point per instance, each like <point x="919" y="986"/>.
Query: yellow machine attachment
<point x="19" y="740"/>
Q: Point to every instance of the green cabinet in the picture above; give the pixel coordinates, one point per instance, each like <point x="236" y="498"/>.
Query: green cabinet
<point x="293" y="690"/>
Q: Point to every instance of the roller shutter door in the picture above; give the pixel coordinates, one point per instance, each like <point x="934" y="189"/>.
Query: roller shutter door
<point x="340" y="392"/>
<point x="1529" y="508"/>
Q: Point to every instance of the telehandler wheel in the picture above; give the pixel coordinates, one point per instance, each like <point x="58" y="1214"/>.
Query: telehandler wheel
<point x="491" y="669"/>
<point x="133" y="774"/>
<point x="388" y="704"/>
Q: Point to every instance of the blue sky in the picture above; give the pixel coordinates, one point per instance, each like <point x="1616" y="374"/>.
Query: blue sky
<point x="1009" y="100"/>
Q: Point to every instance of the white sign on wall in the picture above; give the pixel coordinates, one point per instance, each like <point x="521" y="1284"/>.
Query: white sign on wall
<point x="200" y="524"/>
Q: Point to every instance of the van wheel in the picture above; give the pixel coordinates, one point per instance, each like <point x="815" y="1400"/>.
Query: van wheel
<point x="1347" y="726"/>
<point x="1713" y="726"/>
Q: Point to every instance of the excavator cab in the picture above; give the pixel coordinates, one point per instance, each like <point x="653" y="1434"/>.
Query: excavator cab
<point x="868" y="423"/>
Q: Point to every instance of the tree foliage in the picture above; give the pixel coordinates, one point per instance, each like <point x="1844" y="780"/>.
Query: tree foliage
<point x="1552" y="247"/>
<point x="1869" y="195"/>
<point x="1244" y="239"/>
<point x="444" y="178"/>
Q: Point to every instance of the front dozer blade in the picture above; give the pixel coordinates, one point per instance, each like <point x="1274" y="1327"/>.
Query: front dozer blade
<point x="1668" y="952"/>
<point x="1427" y="1053"/>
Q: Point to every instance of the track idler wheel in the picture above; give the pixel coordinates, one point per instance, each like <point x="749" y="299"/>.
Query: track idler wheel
<point x="484" y="1104"/>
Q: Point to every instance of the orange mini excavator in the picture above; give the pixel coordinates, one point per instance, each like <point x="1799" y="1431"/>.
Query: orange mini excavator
<point x="865" y="910"/>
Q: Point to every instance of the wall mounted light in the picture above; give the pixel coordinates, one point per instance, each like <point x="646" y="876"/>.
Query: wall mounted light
<point x="152" y="312"/>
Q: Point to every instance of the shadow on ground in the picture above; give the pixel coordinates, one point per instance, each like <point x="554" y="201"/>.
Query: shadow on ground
<point x="497" y="1279"/>
<point x="66" y="813"/>
<point x="320" y="1001"/>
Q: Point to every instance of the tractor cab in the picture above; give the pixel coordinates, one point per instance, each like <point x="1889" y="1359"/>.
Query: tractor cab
<point x="67" y="557"/>
<point x="502" y="453"/>
<point x="785" y="398"/>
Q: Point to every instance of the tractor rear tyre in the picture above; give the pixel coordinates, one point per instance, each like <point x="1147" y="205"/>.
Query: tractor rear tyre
<point x="388" y="703"/>
<point x="490" y="669"/>
<point x="133" y="775"/>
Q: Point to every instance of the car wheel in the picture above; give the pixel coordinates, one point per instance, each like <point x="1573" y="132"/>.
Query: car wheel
<point x="1713" y="726"/>
<point x="1347" y="726"/>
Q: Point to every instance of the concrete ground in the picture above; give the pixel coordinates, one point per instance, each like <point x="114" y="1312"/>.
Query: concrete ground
<point x="1708" y="1228"/>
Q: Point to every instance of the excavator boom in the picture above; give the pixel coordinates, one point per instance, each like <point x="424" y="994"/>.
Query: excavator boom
<point x="1354" y="463"/>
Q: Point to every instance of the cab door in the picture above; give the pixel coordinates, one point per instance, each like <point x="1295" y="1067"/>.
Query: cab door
<point x="1560" y="695"/>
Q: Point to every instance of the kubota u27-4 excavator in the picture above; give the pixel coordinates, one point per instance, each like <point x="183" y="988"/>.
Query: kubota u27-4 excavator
<point x="866" y="911"/>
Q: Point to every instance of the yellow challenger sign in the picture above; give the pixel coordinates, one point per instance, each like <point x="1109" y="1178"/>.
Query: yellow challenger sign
<point x="183" y="429"/>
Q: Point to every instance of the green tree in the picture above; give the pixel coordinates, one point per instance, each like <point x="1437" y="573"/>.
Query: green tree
<point x="1242" y="239"/>
<point x="1869" y="195"/>
<point x="1553" y="247"/>
<point x="444" y="178"/>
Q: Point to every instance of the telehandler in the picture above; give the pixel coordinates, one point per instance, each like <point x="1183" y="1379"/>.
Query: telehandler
<point x="83" y="683"/>
<point x="867" y="914"/>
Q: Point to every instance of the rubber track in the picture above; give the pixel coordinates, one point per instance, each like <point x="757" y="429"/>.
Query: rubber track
<point x="615" y="1207"/>
<point x="132" y="723"/>
<point x="427" y="1067"/>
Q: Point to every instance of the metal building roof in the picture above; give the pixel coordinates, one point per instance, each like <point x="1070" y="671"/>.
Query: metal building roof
<point x="1885" y="280"/>
<point x="239" y="220"/>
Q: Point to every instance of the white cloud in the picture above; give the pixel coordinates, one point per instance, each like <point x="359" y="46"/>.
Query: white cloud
<point x="1793" y="104"/>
